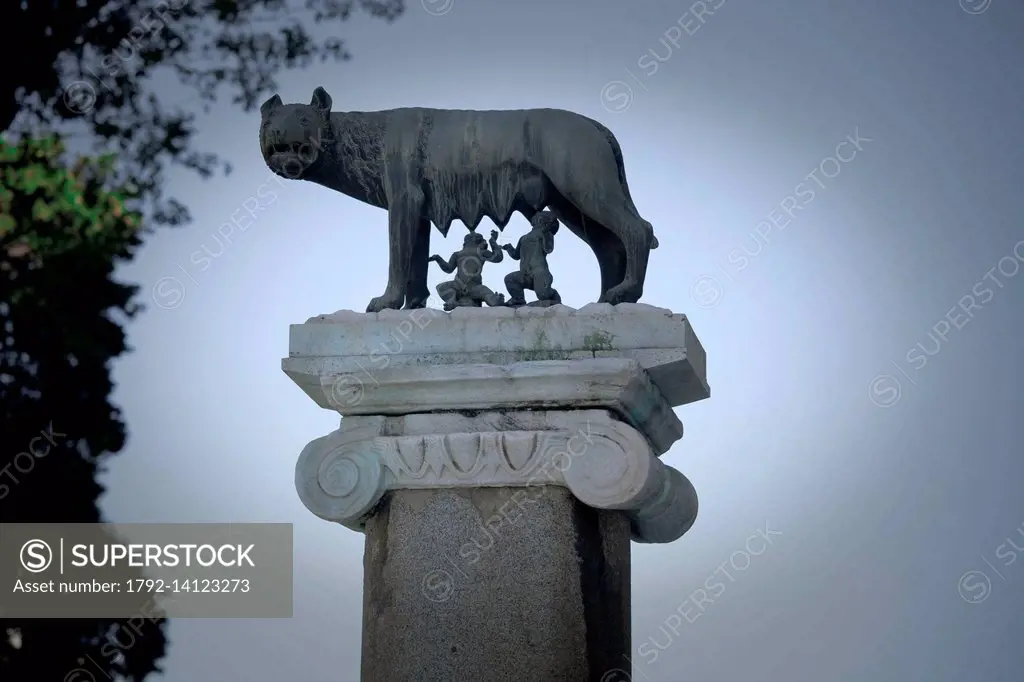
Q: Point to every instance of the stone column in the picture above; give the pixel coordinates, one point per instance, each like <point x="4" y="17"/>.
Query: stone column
<point x="499" y="462"/>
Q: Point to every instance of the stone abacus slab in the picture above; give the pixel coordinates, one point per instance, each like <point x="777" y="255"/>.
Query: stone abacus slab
<point x="660" y="341"/>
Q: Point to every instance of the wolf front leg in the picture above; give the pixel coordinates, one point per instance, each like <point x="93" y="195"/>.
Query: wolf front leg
<point x="404" y="212"/>
<point x="416" y="291"/>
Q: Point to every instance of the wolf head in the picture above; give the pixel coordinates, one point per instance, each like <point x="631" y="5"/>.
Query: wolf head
<point x="293" y="137"/>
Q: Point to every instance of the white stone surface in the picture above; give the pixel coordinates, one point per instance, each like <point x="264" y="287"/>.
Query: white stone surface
<point x="501" y="397"/>
<point x="604" y="462"/>
<point x="364" y="344"/>
<point x="619" y="384"/>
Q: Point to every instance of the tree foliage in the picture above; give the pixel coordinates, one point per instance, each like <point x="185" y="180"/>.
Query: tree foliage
<point x="95" y="73"/>
<point x="63" y="229"/>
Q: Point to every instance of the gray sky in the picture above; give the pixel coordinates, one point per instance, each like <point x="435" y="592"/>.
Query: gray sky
<point x="881" y="493"/>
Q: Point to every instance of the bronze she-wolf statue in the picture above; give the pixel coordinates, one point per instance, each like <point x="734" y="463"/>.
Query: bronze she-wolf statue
<point x="437" y="165"/>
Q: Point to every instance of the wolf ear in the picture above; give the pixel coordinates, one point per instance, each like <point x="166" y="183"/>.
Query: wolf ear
<point x="271" y="104"/>
<point x="321" y="100"/>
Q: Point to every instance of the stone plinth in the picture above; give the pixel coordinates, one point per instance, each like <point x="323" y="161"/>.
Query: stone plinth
<point x="363" y="344"/>
<point x="453" y="424"/>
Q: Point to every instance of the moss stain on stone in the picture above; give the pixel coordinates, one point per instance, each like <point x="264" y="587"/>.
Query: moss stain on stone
<point x="541" y="349"/>
<point x="598" y="341"/>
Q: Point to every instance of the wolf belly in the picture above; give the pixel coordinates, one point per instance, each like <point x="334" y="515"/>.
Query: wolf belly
<point x="471" y="197"/>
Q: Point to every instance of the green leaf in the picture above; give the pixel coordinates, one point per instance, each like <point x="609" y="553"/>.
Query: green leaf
<point x="7" y="224"/>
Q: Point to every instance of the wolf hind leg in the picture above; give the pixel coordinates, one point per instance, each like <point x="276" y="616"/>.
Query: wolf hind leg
<point x="635" y="237"/>
<point x="611" y="257"/>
